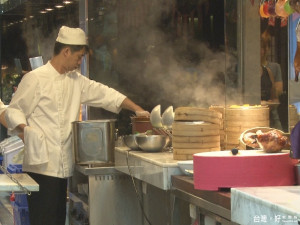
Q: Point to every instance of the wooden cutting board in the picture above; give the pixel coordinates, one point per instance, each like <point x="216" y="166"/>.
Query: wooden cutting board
<point x="197" y="114"/>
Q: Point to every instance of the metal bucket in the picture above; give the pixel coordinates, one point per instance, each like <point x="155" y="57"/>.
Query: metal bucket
<point x="94" y="141"/>
<point x="140" y="124"/>
<point x="36" y="62"/>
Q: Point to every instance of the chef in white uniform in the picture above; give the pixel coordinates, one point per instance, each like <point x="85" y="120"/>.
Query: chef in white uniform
<point x="45" y="104"/>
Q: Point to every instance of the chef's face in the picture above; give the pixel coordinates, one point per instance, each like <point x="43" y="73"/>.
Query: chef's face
<point x="74" y="59"/>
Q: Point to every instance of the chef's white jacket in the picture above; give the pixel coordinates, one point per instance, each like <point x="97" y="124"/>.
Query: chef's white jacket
<point x="49" y="103"/>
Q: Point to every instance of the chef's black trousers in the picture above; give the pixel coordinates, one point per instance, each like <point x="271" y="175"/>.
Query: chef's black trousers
<point x="48" y="205"/>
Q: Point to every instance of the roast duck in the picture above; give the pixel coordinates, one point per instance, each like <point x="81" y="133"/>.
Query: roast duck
<point x="271" y="141"/>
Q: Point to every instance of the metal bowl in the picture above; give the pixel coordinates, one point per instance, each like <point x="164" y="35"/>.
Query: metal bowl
<point x="151" y="143"/>
<point x="130" y="141"/>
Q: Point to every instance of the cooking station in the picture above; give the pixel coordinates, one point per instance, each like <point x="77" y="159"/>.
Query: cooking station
<point x="161" y="177"/>
<point x="114" y="194"/>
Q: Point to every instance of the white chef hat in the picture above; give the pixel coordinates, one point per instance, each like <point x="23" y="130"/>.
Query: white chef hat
<point x="71" y="36"/>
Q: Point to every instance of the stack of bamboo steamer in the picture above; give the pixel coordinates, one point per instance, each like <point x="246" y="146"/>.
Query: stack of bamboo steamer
<point x="293" y="116"/>
<point x="220" y="109"/>
<point x="241" y="118"/>
<point x="195" y="130"/>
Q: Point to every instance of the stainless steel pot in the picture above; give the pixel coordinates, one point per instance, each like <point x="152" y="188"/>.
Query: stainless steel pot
<point x="94" y="141"/>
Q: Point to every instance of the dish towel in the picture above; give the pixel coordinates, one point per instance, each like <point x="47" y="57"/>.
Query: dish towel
<point x="35" y="148"/>
<point x="295" y="141"/>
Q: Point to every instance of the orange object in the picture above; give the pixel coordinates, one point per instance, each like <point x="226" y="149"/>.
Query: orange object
<point x="261" y="11"/>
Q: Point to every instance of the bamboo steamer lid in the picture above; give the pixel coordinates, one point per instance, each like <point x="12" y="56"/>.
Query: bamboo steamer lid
<point x="197" y="114"/>
<point x="192" y="129"/>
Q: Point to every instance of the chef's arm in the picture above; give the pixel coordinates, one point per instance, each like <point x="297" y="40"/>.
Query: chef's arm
<point x="130" y="105"/>
<point x="2" y="119"/>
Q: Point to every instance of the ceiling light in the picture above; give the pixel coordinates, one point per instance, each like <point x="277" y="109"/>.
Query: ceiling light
<point x="49" y="9"/>
<point x="43" y="11"/>
<point x="59" y="6"/>
<point x="67" y="2"/>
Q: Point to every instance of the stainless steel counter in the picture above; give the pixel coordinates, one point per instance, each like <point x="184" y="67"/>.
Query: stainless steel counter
<point x="153" y="168"/>
<point x="266" y="205"/>
<point x="111" y="198"/>
<point x="6" y="184"/>
<point x="85" y="170"/>
<point x="213" y="204"/>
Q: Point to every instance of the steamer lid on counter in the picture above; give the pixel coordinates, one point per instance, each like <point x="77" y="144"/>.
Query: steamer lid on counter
<point x="197" y="114"/>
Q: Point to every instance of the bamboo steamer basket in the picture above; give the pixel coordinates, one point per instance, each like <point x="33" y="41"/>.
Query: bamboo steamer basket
<point x="190" y="137"/>
<point x="187" y="154"/>
<point x="195" y="129"/>
<point x="220" y="109"/>
<point x="241" y="118"/>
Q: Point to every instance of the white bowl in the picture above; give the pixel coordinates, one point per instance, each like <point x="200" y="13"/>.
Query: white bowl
<point x="155" y="116"/>
<point x="186" y="165"/>
<point x="168" y="117"/>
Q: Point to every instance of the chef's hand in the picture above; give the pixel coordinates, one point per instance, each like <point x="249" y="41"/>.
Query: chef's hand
<point x="21" y="136"/>
<point x="142" y="113"/>
<point x="21" y="128"/>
